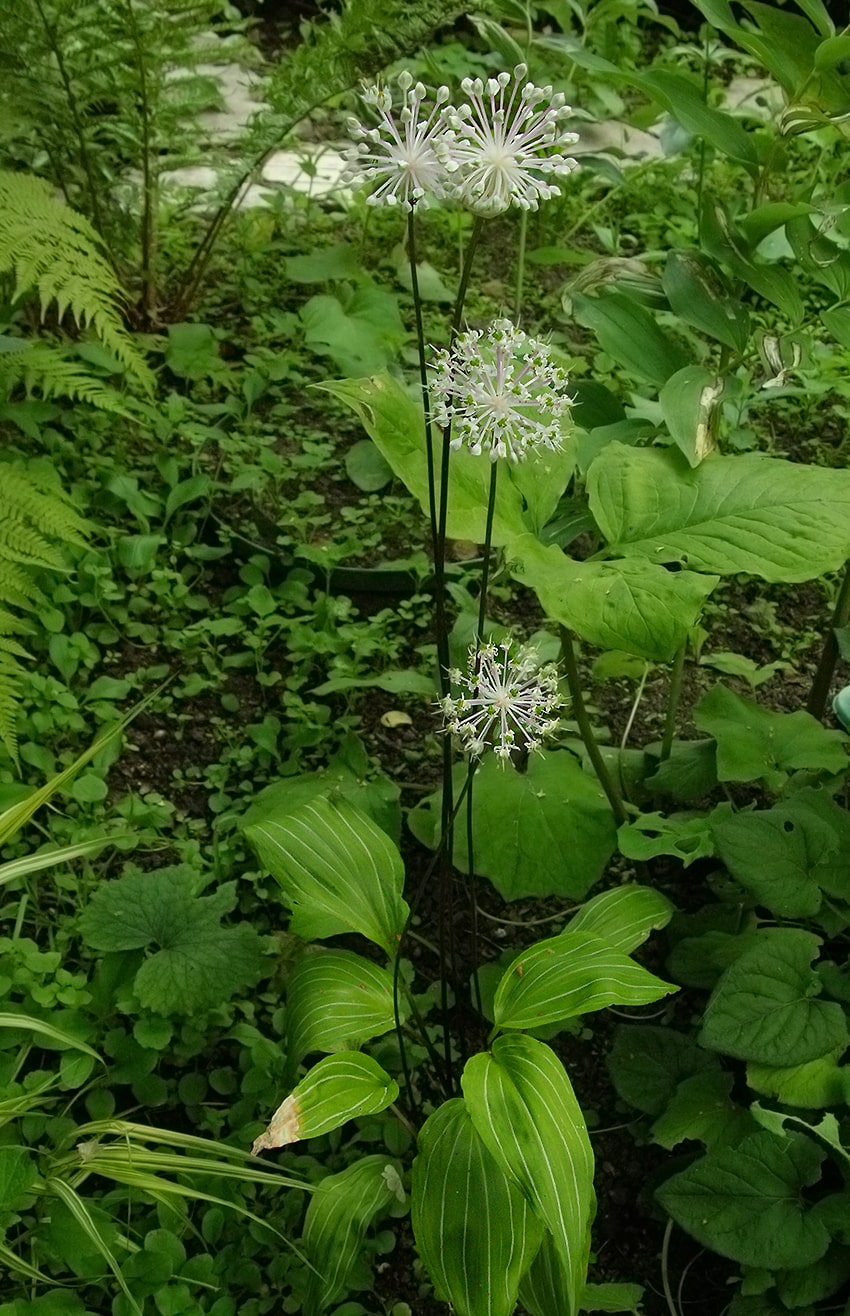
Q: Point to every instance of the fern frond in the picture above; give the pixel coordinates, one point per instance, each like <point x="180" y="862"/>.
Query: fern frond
<point x="47" y="246"/>
<point x="37" y="521"/>
<point x="10" y="676"/>
<point x="52" y="373"/>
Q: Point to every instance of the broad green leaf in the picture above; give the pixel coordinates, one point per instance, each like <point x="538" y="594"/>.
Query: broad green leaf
<point x="613" y="1297"/>
<point x="776" y="854"/>
<point x="332" y="862"/>
<point x="689" y="773"/>
<point x="698" y="296"/>
<point x="766" y="219"/>
<point x="687" y="836"/>
<point x="569" y="975"/>
<point x="701" y="1110"/>
<point x="366" y="467"/>
<point x="751" y="514"/>
<point x="689" y="402"/>
<point x="546" y="1287"/>
<point x="527" y="494"/>
<point x="826" y="262"/>
<point x="721" y="240"/>
<point x="623" y="917"/>
<point x="684" y="98"/>
<point x="526" y="824"/>
<point x="524" y="1109"/>
<point x="631" y="605"/>
<point x="765" y="1007"/>
<point x="746" y="1203"/>
<point x="341" y="1209"/>
<point x="344" y="775"/>
<point x="361" y="334"/>
<point x="837" y="321"/>
<point x="192" y="351"/>
<point x="629" y="333"/>
<point x="756" y="744"/>
<point x="813" y="1085"/>
<point x="647" y="1063"/>
<point x="197" y="964"/>
<point x="336" y="1000"/>
<point x="802" y="1285"/>
<point x="337" y="1089"/>
<point x="324" y="264"/>
<point x="474" y="1228"/>
<point x="18" y="1173"/>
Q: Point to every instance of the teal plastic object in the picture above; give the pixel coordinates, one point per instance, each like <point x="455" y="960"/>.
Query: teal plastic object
<point x="841" y="707"/>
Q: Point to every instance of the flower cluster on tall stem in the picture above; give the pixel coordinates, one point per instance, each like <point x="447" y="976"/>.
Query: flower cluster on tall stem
<point x="500" y="392"/>
<point x="398" y="156"/>
<point x="505" y="700"/>
<point x="503" y="148"/>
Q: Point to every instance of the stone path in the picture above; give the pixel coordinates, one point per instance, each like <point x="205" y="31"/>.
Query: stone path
<point x="315" y="170"/>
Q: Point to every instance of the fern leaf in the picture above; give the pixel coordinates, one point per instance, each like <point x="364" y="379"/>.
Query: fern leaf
<point x="37" y="521"/>
<point x="48" y="247"/>
<point x="51" y="373"/>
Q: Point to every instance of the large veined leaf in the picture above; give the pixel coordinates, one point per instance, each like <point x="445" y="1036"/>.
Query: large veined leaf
<point x="474" y="1228"/>
<point x="337" y="1089"/>
<point x="337" y="869"/>
<point x="526" y="496"/>
<point x="548" y="831"/>
<point x="684" y="98"/>
<point x="623" y="917"/>
<point x="628" y="333"/>
<point x="341" y="1209"/>
<point x="569" y="975"/>
<point x="631" y="604"/>
<point x="698" y="296"/>
<point x="749" y="514"/>
<point x="523" y="1106"/>
<point x="335" y="1001"/>
<point x="758" y="744"/>
<point x="745" y="1202"/>
<point x="765" y="1007"/>
<point x="648" y="1062"/>
<point x="777" y="854"/>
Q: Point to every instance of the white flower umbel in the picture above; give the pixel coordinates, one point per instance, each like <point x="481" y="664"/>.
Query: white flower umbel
<point x="505" y="701"/>
<point x="504" y="148"/>
<point x="501" y="393"/>
<point x="398" y="157"/>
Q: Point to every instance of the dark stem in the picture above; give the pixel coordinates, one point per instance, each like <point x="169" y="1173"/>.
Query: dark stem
<point x="446" y="919"/>
<point x="479" y="635"/>
<point x="594" y="753"/>
<point x="58" y="49"/>
<point x="423" y="377"/>
<point x="829" y="654"/>
<point x="673" y="696"/>
<point x="148" y="241"/>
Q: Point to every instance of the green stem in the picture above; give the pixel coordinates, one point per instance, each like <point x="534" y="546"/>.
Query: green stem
<point x="594" y="753"/>
<point x="673" y="697"/>
<point x="829" y="654"/>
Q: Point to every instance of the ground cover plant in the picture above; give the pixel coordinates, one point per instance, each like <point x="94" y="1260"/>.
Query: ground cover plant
<point x="422" y="616"/>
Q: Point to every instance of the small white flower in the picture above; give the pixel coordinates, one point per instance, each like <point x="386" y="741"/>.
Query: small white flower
<point x="504" y="700"/>
<point x="504" y="148"/>
<point x="501" y="393"/>
<point x="399" y="156"/>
